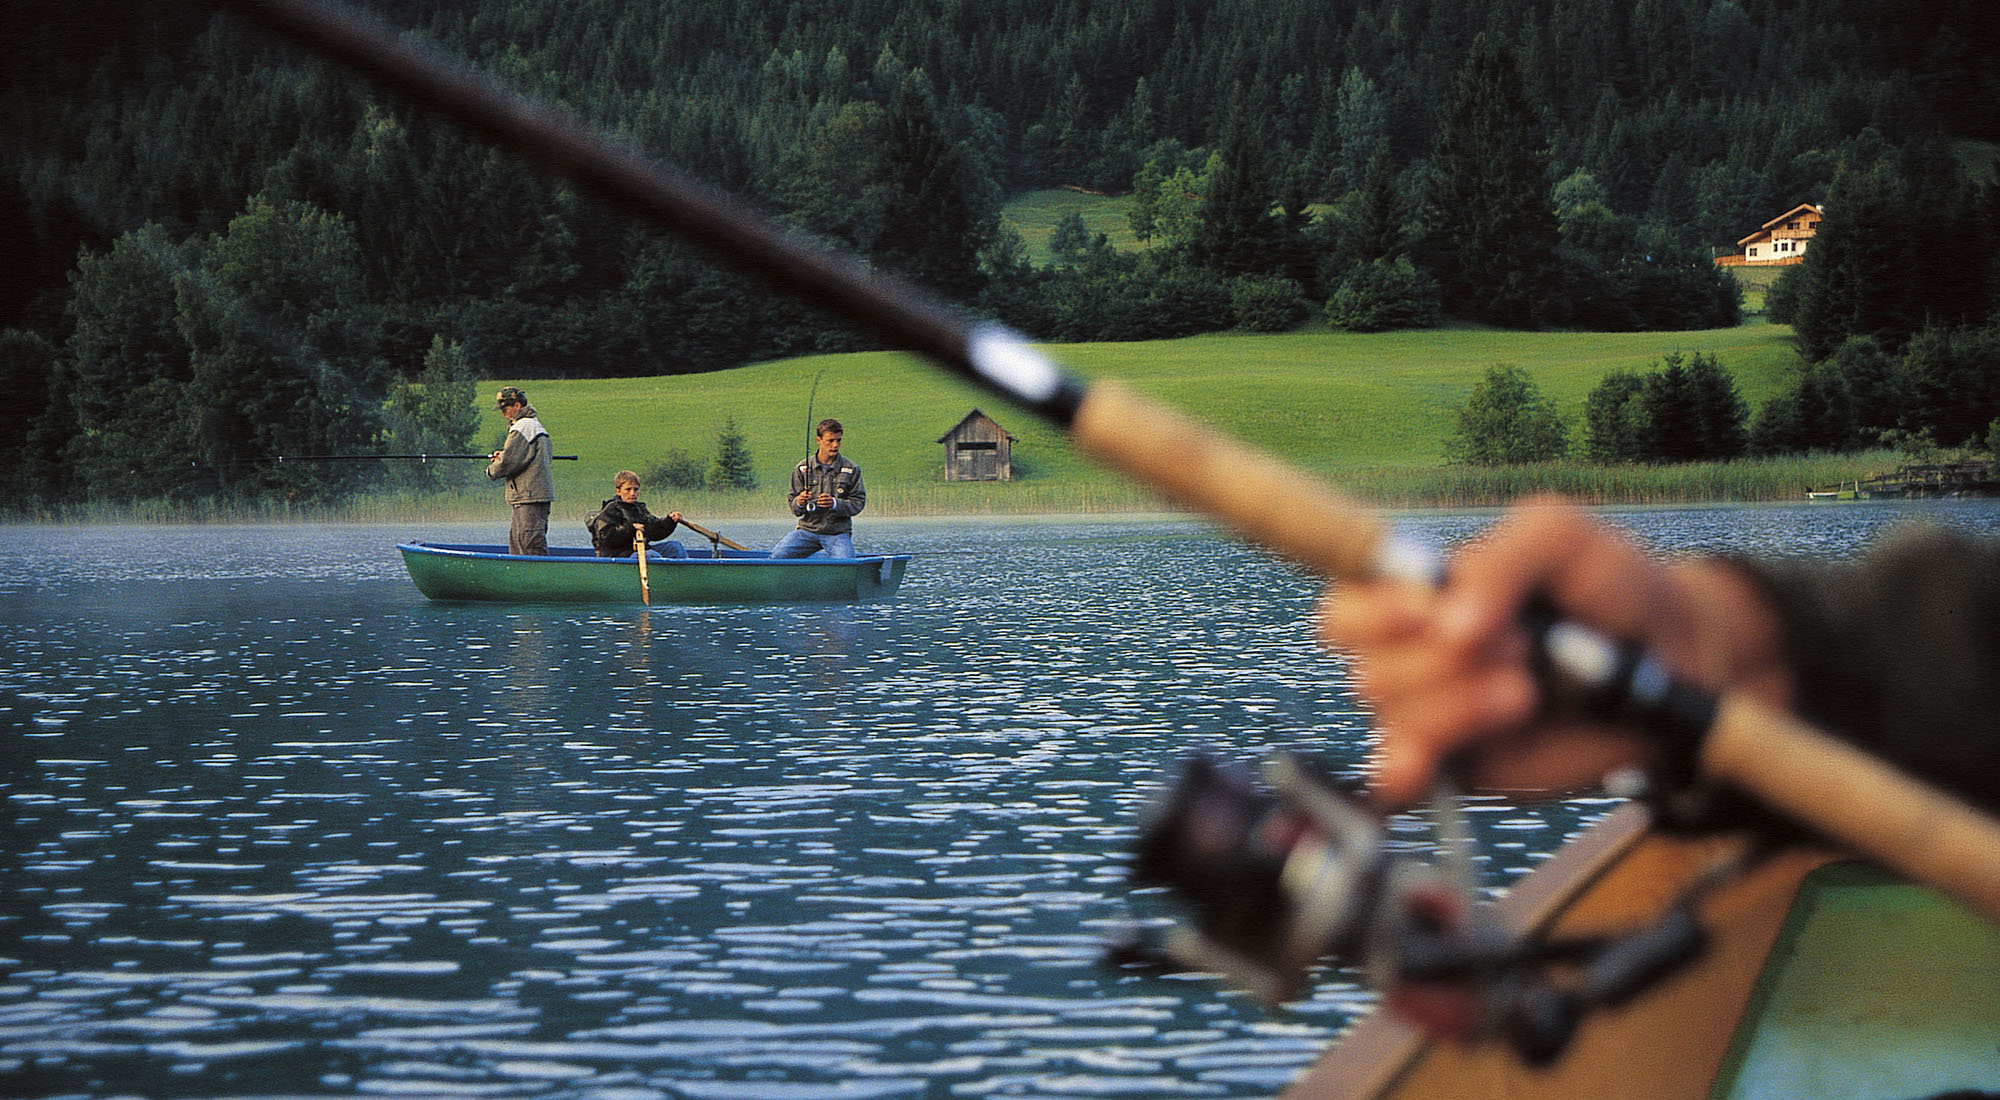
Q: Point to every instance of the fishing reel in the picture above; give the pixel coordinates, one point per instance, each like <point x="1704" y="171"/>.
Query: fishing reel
<point x="1280" y="877"/>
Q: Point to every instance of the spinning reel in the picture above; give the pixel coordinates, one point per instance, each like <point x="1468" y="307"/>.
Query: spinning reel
<point x="1278" y="877"/>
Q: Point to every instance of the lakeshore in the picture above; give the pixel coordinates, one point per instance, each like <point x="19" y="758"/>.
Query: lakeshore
<point x="1093" y="492"/>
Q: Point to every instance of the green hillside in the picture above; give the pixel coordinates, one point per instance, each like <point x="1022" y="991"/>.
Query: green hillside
<point x="1756" y="283"/>
<point x="1034" y="215"/>
<point x="1348" y="406"/>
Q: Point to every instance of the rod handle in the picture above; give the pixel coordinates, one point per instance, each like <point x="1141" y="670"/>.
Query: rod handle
<point x="1900" y="822"/>
<point x="1250" y="491"/>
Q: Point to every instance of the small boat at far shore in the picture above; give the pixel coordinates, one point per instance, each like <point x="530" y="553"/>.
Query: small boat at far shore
<point x="702" y="575"/>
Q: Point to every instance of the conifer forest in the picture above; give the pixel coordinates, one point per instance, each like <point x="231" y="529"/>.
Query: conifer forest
<point x="216" y="242"/>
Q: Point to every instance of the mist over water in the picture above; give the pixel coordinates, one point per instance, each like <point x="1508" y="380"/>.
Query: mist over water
<point x="276" y="825"/>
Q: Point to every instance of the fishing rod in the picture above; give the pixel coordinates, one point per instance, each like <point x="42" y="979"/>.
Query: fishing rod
<point x="401" y="457"/>
<point x="1848" y="796"/>
<point x="812" y="428"/>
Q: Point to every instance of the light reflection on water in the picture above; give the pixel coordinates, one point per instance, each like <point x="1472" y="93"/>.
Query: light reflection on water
<point x="277" y="826"/>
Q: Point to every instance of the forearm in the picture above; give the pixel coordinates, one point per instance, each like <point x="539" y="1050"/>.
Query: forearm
<point x="1899" y="653"/>
<point x="514" y="457"/>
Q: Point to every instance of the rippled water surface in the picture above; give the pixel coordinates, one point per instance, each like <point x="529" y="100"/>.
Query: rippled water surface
<point x="278" y="826"/>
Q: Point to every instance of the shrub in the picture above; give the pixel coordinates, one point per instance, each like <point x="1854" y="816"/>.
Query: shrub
<point x="678" y="468"/>
<point x="1266" y="303"/>
<point x="1505" y="421"/>
<point x="1384" y="294"/>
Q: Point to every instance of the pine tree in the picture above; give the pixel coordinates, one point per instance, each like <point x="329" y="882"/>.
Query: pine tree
<point x="1235" y="233"/>
<point x="1493" y="240"/>
<point x="1361" y="122"/>
<point x="942" y="211"/>
<point x="1855" y="270"/>
<point x="732" y="467"/>
<point x="1693" y="412"/>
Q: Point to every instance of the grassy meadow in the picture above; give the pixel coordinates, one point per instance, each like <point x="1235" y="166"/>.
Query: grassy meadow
<point x="1369" y="412"/>
<point x="1034" y="214"/>
<point x="1756" y="283"/>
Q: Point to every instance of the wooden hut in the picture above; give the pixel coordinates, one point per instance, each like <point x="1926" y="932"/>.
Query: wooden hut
<point x="978" y="449"/>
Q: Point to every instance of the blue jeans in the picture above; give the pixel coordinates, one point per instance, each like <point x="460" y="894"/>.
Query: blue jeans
<point x="800" y="543"/>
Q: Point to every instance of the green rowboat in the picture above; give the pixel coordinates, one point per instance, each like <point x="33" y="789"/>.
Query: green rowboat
<point x="444" y="571"/>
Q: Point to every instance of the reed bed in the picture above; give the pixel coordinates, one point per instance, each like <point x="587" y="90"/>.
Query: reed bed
<point x="1097" y="492"/>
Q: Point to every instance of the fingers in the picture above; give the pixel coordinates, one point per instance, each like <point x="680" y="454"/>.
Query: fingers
<point x="1547" y="547"/>
<point x="1432" y="696"/>
<point x="1447" y="672"/>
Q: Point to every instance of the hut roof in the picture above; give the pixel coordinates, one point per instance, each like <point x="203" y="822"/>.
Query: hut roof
<point x="968" y="416"/>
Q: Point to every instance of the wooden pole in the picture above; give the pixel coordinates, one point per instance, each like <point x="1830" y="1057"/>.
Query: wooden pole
<point x="1804" y="773"/>
<point x="710" y="535"/>
<point x="639" y="548"/>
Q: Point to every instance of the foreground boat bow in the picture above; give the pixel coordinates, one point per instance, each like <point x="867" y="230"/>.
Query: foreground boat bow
<point x="1822" y="977"/>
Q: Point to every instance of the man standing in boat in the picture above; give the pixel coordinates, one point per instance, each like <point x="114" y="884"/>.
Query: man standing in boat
<point x="527" y="465"/>
<point x="826" y="496"/>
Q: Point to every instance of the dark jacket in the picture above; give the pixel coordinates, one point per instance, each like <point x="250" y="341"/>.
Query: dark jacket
<point x="842" y="480"/>
<point x="1899" y="652"/>
<point x="611" y="529"/>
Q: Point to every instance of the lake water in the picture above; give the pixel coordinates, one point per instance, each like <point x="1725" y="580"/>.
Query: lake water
<point x="277" y="826"/>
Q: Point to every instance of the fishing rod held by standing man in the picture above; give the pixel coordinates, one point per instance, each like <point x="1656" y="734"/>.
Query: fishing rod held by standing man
<point x="409" y="457"/>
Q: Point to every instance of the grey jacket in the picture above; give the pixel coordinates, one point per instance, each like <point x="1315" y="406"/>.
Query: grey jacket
<point x="525" y="461"/>
<point x="842" y="480"/>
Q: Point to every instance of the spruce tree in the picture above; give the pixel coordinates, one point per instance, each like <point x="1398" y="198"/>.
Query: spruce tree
<point x="732" y="467"/>
<point x="942" y="210"/>
<point x="1235" y="233"/>
<point x="1493" y="236"/>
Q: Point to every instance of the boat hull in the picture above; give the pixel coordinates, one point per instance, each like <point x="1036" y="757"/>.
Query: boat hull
<point x="1720" y="1029"/>
<point x="461" y="572"/>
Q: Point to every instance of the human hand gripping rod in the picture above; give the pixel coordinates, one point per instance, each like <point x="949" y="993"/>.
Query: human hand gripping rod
<point x="1849" y="796"/>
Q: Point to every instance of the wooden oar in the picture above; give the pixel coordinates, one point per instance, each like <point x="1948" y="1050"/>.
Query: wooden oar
<point x="1921" y="832"/>
<point x="710" y="535"/>
<point x="639" y="548"/>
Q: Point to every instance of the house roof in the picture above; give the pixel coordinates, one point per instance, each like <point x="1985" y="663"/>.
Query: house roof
<point x="1765" y="229"/>
<point x="968" y="416"/>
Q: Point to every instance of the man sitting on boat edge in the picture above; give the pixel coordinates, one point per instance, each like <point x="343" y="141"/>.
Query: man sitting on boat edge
<point x="826" y="495"/>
